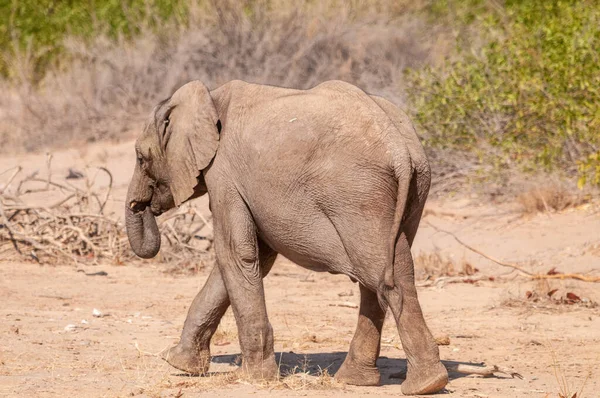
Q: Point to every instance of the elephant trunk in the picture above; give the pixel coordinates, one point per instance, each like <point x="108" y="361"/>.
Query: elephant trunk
<point x="142" y="231"/>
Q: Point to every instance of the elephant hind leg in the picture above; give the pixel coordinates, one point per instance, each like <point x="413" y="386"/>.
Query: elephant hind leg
<point x="425" y="372"/>
<point x="192" y="353"/>
<point x="359" y="367"/>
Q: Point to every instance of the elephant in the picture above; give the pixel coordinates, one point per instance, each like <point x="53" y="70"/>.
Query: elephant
<point x="332" y="178"/>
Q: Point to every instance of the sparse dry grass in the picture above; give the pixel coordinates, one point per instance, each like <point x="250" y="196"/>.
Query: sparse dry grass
<point x="157" y="379"/>
<point x="552" y="197"/>
<point x="543" y="293"/>
<point x="434" y="265"/>
<point x="565" y="387"/>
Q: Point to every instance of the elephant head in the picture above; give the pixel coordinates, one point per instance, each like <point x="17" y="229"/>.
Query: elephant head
<point x="179" y="140"/>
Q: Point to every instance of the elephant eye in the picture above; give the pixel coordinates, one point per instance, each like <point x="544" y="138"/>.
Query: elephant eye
<point x="166" y="124"/>
<point x="139" y="157"/>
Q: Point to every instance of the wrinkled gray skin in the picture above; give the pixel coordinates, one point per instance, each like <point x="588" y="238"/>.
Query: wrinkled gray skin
<point x="331" y="178"/>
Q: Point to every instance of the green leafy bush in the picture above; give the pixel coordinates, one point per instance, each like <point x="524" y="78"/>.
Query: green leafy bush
<point x="532" y="92"/>
<point x="37" y="28"/>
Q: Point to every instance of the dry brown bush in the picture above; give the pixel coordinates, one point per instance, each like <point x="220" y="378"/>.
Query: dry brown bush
<point x="550" y="198"/>
<point x="107" y="88"/>
<point x="434" y="265"/>
<point x="72" y="225"/>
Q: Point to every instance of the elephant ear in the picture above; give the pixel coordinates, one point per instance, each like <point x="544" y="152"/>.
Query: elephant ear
<point x="192" y="141"/>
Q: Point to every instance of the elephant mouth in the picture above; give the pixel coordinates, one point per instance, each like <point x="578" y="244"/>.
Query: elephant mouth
<point x="139" y="207"/>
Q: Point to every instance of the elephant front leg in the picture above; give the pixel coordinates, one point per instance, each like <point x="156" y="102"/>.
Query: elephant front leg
<point x="237" y="253"/>
<point x="192" y="354"/>
<point x="359" y="367"/>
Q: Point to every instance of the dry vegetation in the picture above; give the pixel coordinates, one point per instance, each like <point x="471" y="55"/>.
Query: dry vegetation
<point x="71" y="224"/>
<point x="550" y="197"/>
<point x="549" y="296"/>
<point x="109" y="87"/>
<point x="435" y="265"/>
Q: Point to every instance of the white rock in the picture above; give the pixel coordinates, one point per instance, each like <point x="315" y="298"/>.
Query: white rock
<point x="97" y="313"/>
<point x="70" y="327"/>
<point x="84" y="322"/>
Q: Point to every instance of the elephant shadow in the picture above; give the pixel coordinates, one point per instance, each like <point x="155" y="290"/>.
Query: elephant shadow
<point x="392" y="370"/>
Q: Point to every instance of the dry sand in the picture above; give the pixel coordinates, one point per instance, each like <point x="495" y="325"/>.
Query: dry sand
<point x="144" y="306"/>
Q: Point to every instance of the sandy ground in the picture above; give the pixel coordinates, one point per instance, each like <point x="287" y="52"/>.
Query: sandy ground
<point x="553" y="346"/>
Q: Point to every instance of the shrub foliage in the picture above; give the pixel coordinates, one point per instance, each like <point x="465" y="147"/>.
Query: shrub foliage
<point x="532" y="94"/>
<point x="39" y="27"/>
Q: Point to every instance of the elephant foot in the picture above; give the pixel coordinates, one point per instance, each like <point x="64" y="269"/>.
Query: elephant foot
<point x="265" y="370"/>
<point x="425" y="379"/>
<point x="190" y="361"/>
<point x="352" y="373"/>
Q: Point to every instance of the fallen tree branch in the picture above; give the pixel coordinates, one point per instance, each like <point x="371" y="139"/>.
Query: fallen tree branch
<point x="76" y="225"/>
<point x="499" y="262"/>
<point x="522" y="271"/>
<point x="11" y="178"/>
<point x="441" y="281"/>
<point x="485" y="371"/>
<point x="579" y="277"/>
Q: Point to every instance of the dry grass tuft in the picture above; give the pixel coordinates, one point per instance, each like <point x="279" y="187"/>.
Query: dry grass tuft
<point x="567" y="390"/>
<point x="434" y="265"/>
<point x="299" y="379"/>
<point x="551" y="198"/>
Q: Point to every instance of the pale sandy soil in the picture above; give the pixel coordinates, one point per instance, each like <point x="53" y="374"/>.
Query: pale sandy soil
<point x="144" y="308"/>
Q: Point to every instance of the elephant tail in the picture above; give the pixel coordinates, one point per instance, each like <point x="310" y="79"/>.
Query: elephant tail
<point x="403" y="170"/>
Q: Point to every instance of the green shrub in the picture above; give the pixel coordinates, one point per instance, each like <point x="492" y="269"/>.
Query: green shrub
<point x="532" y="92"/>
<point x="36" y="28"/>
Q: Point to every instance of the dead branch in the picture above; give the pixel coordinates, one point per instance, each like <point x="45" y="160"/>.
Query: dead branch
<point x="579" y="277"/>
<point x="52" y="206"/>
<point x="11" y="178"/>
<point x="485" y="371"/>
<point x="443" y="280"/>
<point x="345" y="304"/>
<point x="110" y="184"/>
<point x="77" y="228"/>
<point x="522" y="271"/>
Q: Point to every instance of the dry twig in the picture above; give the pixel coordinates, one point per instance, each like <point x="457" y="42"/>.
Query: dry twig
<point x="522" y="271"/>
<point x="75" y="227"/>
<point x="485" y="371"/>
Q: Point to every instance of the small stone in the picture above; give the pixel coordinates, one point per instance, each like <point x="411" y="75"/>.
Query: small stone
<point x="83" y="321"/>
<point x="96" y="313"/>
<point x="70" y="327"/>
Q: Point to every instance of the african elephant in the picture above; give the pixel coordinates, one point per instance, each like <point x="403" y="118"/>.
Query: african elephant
<point x="332" y="178"/>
